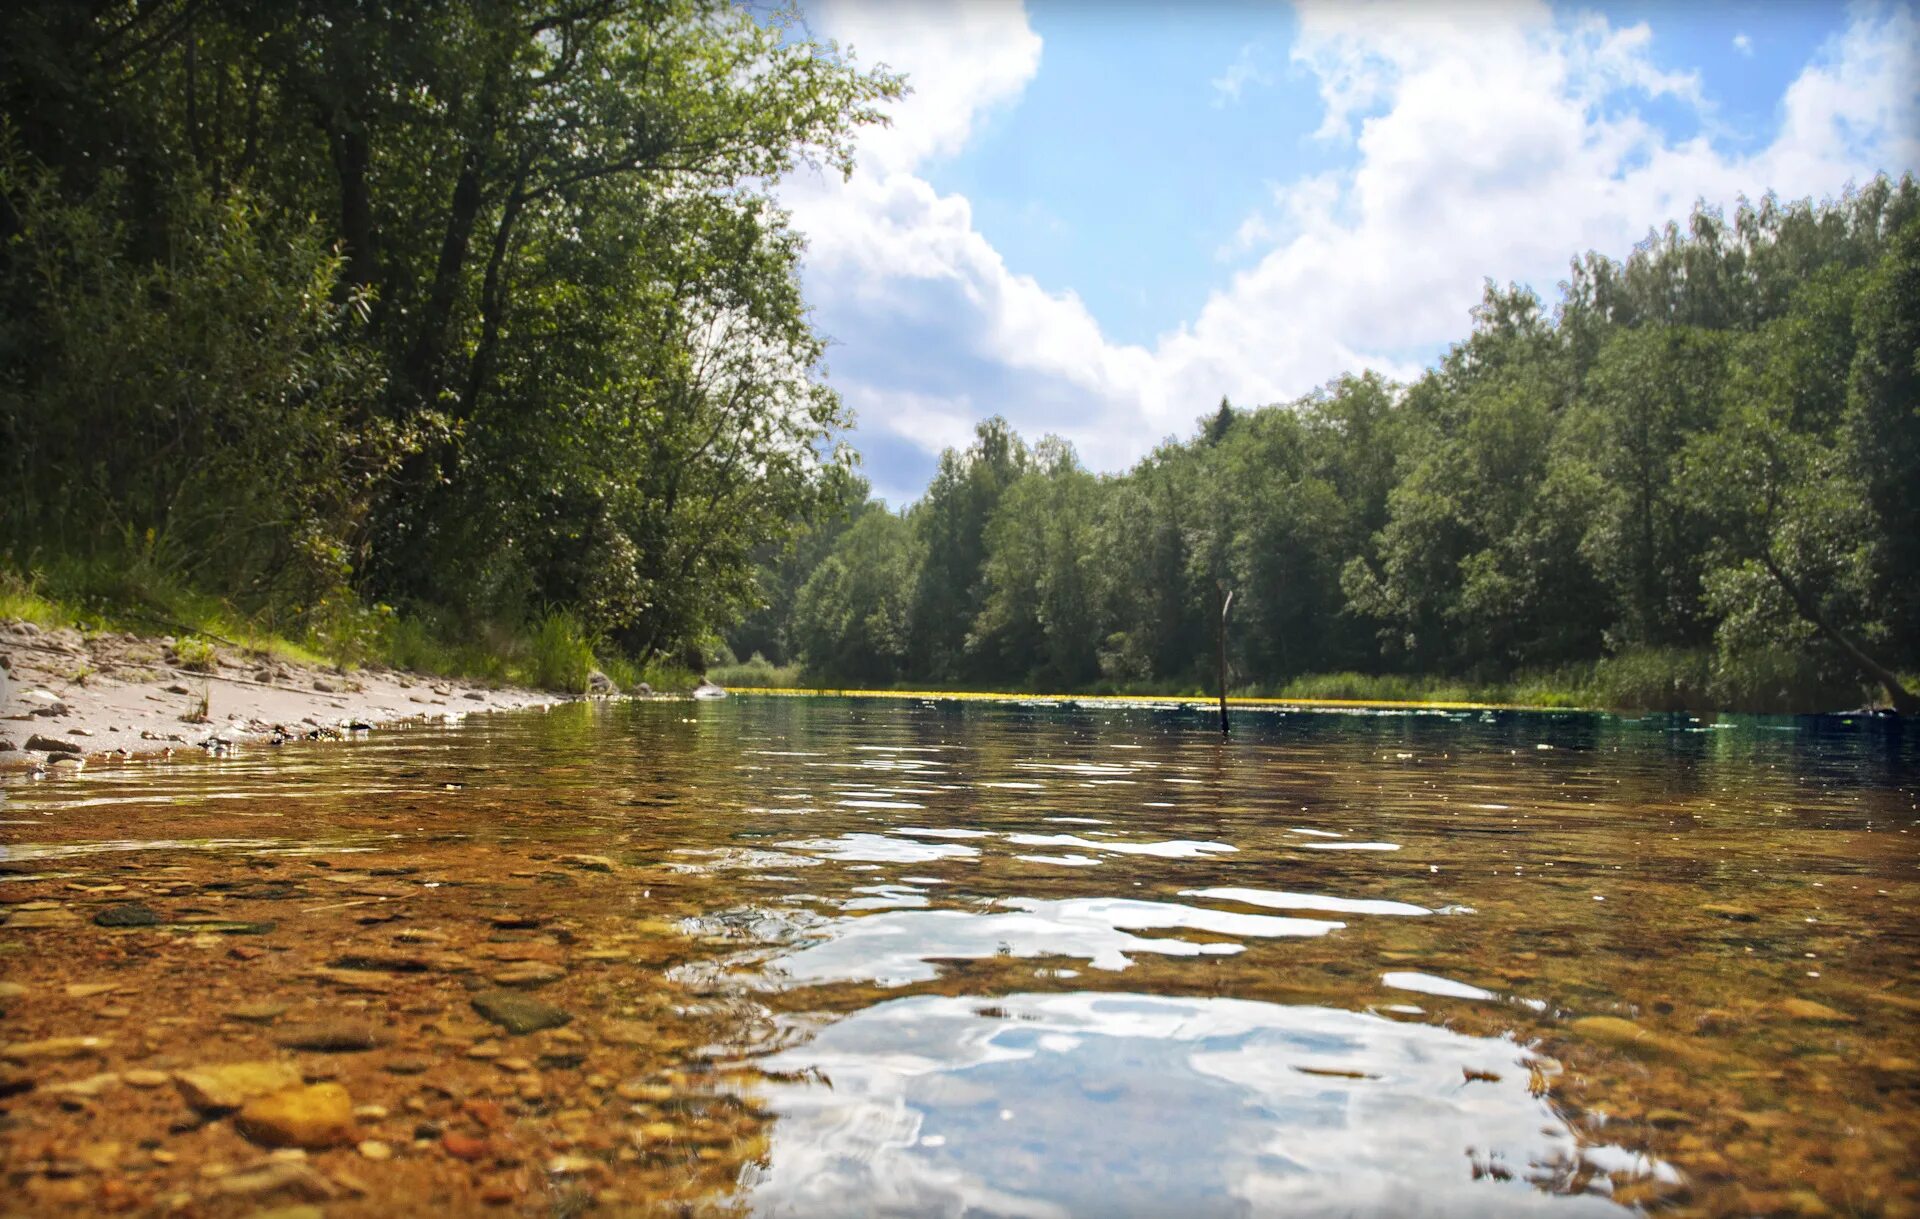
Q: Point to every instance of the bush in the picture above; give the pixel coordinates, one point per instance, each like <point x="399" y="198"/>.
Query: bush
<point x="1774" y="679"/>
<point x="202" y="414"/>
<point x="193" y="654"/>
<point x="560" y="658"/>
<point x="758" y="673"/>
<point x="1654" y="679"/>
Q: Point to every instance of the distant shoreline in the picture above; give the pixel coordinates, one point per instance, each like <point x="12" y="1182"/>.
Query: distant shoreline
<point x="1200" y="702"/>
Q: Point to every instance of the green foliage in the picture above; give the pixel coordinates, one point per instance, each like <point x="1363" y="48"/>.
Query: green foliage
<point x="1692" y="485"/>
<point x="191" y="413"/>
<point x="20" y="598"/>
<point x="852" y="619"/>
<point x="194" y="654"/>
<point x="1654" y="679"/>
<point x="757" y="673"/>
<point x="562" y="658"/>
<point x="468" y="309"/>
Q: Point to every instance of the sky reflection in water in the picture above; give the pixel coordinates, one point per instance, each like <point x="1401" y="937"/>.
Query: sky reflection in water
<point x="1116" y="1104"/>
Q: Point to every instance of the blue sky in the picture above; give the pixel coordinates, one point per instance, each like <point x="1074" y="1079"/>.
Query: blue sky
<point x="1095" y="219"/>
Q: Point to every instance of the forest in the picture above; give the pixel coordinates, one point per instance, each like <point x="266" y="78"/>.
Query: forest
<point x="1693" y="482"/>
<point x="392" y="329"/>
<point x="470" y="337"/>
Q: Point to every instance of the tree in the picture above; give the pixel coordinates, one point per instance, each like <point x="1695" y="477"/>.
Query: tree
<point x="1039" y="623"/>
<point x="950" y="524"/>
<point x="852" y="620"/>
<point x="544" y="231"/>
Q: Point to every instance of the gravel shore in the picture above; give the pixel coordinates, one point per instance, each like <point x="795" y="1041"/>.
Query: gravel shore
<point x="67" y="699"/>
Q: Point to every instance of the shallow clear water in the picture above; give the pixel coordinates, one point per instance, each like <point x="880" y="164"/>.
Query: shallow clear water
<point x="880" y="956"/>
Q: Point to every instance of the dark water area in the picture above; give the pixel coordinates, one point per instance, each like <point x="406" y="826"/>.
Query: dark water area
<point x="836" y="957"/>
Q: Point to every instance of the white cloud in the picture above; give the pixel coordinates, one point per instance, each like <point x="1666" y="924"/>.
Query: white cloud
<point x="1243" y="71"/>
<point x="1743" y="44"/>
<point x="964" y="57"/>
<point x="926" y="419"/>
<point x="1492" y="141"/>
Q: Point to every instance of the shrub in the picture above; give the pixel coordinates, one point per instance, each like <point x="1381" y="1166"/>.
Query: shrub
<point x="1654" y="679"/>
<point x="561" y="658"/>
<point x="194" y="654"/>
<point x="757" y="672"/>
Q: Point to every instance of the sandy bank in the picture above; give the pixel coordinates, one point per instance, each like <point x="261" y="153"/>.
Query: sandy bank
<point x="107" y="696"/>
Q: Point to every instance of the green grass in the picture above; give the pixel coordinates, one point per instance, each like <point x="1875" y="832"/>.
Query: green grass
<point x="756" y="673"/>
<point x="19" y="599"/>
<point x="553" y="653"/>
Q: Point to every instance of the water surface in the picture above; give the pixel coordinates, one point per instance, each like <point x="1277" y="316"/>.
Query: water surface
<point x="830" y="956"/>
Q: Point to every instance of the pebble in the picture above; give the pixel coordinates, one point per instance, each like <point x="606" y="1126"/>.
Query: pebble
<point x="231" y="1085"/>
<point x="333" y="1036"/>
<point x="142" y="1077"/>
<point x="92" y="1085"/>
<point x="40" y="920"/>
<point x="589" y="863"/>
<point x="518" y="1014"/>
<point x="56" y="1048"/>
<point x="1615" y="1031"/>
<point x="87" y="990"/>
<point x="316" y="1116"/>
<point x="626" y="1032"/>
<point x="528" y="974"/>
<point x="1807" y="1009"/>
<point x="278" y="1176"/>
<point x="128" y="914"/>
<point x="464" y="1146"/>
<point x="374" y="1149"/>
<point x="257" y="1013"/>
<point x="366" y="980"/>
<point x="12" y="990"/>
<point x="370" y="1113"/>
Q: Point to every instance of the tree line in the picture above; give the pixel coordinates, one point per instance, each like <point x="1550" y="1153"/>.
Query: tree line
<point x="1697" y="477"/>
<point x="474" y="308"/>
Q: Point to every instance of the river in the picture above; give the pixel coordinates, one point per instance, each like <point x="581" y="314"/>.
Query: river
<point x="816" y="956"/>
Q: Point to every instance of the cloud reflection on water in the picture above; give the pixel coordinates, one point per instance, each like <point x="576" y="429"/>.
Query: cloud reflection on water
<point x="898" y="947"/>
<point x="1118" y="1104"/>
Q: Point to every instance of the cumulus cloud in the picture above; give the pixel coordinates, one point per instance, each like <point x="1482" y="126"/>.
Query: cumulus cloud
<point x="1743" y="44"/>
<point x="1482" y="141"/>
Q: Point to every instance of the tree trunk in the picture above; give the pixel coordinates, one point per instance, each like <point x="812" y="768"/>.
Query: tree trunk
<point x="352" y="160"/>
<point x="1226" y="603"/>
<point x="491" y="294"/>
<point x="423" y="359"/>
<point x="1902" y="699"/>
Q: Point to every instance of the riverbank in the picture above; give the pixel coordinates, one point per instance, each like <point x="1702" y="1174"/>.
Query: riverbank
<point x="1633" y="682"/>
<point x="68" y="698"/>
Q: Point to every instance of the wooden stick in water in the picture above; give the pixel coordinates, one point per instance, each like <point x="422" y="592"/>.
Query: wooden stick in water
<point x="1226" y="603"/>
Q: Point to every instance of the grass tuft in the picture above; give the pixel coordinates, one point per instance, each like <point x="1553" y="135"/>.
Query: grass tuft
<point x="756" y="673"/>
